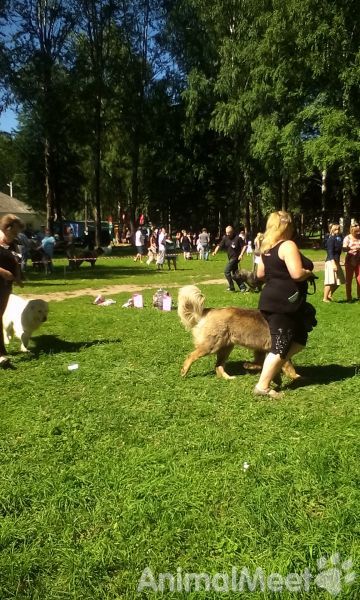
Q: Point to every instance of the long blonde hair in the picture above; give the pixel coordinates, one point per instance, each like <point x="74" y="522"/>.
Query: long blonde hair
<point x="333" y="228"/>
<point x="279" y="226"/>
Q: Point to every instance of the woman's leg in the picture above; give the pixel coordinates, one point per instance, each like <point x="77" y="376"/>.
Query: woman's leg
<point x="327" y="293"/>
<point x="4" y="297"/>
<point x="272" y="366"/>
<point x="283" y="329"/>
<point x="333" y="289"/>
<point x="349" y="274"/>
<point x="357" y="275"/>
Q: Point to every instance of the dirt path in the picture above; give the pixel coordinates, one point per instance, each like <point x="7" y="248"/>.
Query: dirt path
<point x="131" y="289"/>
<point x="108" y="290"/>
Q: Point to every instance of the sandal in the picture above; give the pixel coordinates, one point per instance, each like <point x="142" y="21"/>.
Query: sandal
<point x="268" y="392"/>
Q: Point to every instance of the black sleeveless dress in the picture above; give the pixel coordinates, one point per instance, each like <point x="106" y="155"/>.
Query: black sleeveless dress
<point x="281" y="294"/>
<point x="282" y="302"/>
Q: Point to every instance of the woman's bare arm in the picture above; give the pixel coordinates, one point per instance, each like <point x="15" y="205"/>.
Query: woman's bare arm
<point x="289" y="252"/>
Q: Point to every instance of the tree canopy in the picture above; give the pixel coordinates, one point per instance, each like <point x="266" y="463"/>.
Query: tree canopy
<point x="205" y="111"/>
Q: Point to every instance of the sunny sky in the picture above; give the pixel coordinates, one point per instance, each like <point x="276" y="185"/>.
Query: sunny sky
<point x="8" y="120"/>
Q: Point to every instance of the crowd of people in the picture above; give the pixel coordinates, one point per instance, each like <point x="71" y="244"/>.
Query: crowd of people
<point x="158" y="246"/>
<point x="38" y="246"/>
<point x="335" y="244"/>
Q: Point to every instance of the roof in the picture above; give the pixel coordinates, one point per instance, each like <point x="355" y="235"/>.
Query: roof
<point x="12" y="205"/>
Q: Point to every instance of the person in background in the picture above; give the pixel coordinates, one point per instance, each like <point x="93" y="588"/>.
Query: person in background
<point x="177" y="240"/>
<point x="170" y="251"/>
<point x="351" y="245"/>
<point x="161" y="248"/>
<point x="242" y="235"/>
<point x="204" y="244"/>
<point x="24" y="249"/>
<point x="69" y="239"/>
<point x="47" y="246"/>
<point x="139" y="244"/>
<point x="40" y="234"/>
<point x="257" y="253"/>
<point x="334" y="275"/>
<point x="152" y="250"/>
<point x="185" y="243"/>
<point x="235" y="247"/>
<point x="10" y="227"/>
<point x="283" y="298"/>
<point x="128" y="236"/>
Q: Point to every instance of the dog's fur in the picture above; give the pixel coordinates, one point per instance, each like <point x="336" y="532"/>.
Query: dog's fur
<point x="218" y="330"/>
<point x="249" y="278"/>
<point x="22" y="317"/>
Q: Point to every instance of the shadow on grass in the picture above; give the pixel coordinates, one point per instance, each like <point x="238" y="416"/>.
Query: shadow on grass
<point x="312" y="375"/>
<point x="74" y="276"/>
<point x="52" y="344"/>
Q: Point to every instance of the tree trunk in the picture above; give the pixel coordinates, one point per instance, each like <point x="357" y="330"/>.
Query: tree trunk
<point x="97" y="173"/>
<point x="238" y="184"/>
<point x="247" y="219"/>
<point x="347" y="197"/>
<point x="49" y="196"/>
<point x="324" y="224"/>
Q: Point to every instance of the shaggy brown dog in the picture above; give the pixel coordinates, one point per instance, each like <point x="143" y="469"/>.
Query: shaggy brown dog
<point x="218" y="330"/>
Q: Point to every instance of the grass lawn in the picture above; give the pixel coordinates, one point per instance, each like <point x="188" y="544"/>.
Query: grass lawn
<point x="122" y="465"/>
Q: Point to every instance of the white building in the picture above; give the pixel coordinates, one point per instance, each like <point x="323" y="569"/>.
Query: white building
<point x="16" y="207"/>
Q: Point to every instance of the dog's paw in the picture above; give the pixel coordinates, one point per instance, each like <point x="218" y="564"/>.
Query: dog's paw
<point x="221" y="373"/>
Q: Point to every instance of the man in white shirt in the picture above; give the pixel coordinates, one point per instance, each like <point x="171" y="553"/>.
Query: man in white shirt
<point x="139" y="243"/>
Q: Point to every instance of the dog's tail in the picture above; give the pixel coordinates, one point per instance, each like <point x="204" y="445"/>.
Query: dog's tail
<point x="190" y="306"/>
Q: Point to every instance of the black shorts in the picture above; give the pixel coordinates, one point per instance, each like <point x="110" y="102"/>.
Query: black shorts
<point x="284" y="330"/>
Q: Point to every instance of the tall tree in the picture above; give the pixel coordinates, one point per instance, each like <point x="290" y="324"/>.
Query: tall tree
<point x="96" y="54"/>
<point x="39" y="45"/>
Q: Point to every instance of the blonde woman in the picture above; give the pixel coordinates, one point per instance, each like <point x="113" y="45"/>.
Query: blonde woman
<point x="257" y="245"/>
<point x="282" y="300"/>
<point x="351" y="245"/>
<point x="334" y="275"/>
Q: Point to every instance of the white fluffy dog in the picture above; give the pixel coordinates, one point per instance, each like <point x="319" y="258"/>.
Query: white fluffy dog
<point x="22" y="317"/>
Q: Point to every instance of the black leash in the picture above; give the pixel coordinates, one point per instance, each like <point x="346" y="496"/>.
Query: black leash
<point x="311" y="281"/>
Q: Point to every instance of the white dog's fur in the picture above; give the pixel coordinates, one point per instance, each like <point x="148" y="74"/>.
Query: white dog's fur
<point x="22" y="317"/>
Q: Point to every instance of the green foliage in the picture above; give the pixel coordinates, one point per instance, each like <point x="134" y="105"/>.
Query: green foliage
<point x="198" y="105"/>
<point x="337" y="141"/>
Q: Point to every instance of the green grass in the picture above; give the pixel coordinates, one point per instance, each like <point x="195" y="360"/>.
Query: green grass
<point x="122" y="464"/>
